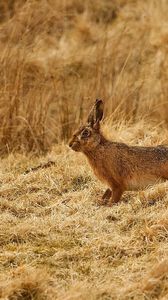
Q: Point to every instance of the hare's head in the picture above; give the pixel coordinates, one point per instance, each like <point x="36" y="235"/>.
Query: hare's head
<point x="88" y="137"/>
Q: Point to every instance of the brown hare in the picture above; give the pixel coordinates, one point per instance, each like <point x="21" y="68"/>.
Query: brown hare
<point x="121" y="167"/>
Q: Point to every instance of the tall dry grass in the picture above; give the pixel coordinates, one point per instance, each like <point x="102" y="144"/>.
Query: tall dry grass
<point x="57" y="57"/>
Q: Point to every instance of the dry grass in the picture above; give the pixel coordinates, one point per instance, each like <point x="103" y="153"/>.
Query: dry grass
<point x="57" y="243"/>
<point x="56" y="57"/>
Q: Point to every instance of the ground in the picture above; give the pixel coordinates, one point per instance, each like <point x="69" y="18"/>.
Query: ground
<point x="58" y="243"/>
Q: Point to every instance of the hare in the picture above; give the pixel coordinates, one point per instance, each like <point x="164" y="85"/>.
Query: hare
<point x="119" y="166"/>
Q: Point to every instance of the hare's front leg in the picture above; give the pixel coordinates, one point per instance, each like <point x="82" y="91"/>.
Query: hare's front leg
<point x="115" y="195"/>
<point x="106" y="196"/>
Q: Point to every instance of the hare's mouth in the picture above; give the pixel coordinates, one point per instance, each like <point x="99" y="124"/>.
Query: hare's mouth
<point x="75" y="146"/>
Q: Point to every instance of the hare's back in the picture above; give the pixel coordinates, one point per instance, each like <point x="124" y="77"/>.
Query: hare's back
<point x="149" y="166"/>
<point x="150" y="154"/>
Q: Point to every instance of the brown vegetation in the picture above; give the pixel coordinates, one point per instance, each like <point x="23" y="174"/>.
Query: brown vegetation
<point x="56" y="57"/>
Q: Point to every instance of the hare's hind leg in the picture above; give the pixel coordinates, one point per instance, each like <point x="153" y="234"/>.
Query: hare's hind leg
<point x="116" y="195"/>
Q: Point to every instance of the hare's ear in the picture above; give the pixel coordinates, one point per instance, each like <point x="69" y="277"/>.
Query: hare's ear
<point x="96" y="113"/>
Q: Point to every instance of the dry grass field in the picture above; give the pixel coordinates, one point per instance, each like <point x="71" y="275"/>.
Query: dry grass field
<point x="56" y="57"/>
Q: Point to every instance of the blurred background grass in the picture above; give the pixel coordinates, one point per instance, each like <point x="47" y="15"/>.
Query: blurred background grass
<point x="56" y="57"/>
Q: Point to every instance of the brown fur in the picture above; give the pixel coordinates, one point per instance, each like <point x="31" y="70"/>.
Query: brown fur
<point x="121" y="167"/>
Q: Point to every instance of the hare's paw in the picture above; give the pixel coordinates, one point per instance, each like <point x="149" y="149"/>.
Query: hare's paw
<point x="115" y="196"/>
<point x="106" y="196"/>
<point x="101" y="202"/>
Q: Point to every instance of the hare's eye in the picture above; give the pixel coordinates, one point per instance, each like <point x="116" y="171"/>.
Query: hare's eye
<point x="85" y="133"/>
